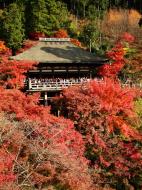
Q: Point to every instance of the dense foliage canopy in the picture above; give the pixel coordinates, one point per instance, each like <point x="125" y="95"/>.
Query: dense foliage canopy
<point x="37" y="149"/>
<point x="99" y="146"/>
<point x="21" y="17"/>
<point x="104" y="113"/>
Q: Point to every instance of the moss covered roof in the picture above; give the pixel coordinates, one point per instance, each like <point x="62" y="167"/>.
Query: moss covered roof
<point x="57" y="52"/>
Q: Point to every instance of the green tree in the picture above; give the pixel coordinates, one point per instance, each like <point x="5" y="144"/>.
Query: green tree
<point x="12" y="27"/>
<point x="46" y="16"/>
<point x="84" y="4"/>
<point x="90" y="36"/>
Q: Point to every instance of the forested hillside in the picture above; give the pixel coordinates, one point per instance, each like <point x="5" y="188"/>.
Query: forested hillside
<point x="79" y="4"/>
<point x="83" y="19"/>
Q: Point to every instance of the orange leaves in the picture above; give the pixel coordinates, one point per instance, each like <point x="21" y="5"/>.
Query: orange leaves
<point x="99" y="141"/>
<point x="57" y="130"/>
<point x="102" y="112"/>
<point x="112" y="97"/>
<point x="116" y="104"/>
<point x="36" y="35"/>
<point x="117" y="58"/>
<point x="104" y="162"/>
<point x="125" y="129"/>
<point x="117" y="53"/>
<point x="12" y="72"/>
<point x="102" y="103"/>
<point x="76" y="42"/>
<point x="37" y="137"/>
<point x="6" y="164"/>
<point x="2" y="47"/>
<point x="4" y="51"/>
<point x="127" y="37"/>
<point x="61" y="34"/>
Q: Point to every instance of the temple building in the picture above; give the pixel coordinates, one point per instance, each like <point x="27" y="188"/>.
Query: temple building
<point x="61" y="64"/>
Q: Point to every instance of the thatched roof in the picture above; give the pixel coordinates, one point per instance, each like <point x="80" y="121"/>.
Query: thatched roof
<point x="57" y="52"/>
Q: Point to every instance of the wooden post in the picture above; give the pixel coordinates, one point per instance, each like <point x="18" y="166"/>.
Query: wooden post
<point x="45" y="99"/>
<point x="58" y="113"/>
<point x="29" y="83"/>
<point x="90" y="73"/>
<point x="52" y="72"/>
<point x="78" y="71"/>
<point x="67" y="72"/>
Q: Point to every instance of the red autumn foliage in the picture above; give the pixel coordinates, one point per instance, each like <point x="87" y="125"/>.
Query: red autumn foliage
<point x="4" y="51"/>
<point x="116" y="55"/>
<point x="40" y="131"/>
<point x="117" y="58"/>
<point x="2" y="47"/>
<point x="43" y="150"/>
<point x="109" y="99"/>
<point x="36" y="35"/>
<point x="37" y="148"/>
<point x="6" y="164"/>
<point x="102" y="112"/>
<point x="76" y="42"/>
<point x="128" y="37"/>
<point x="12" y="72"/>
<point x="61" y="34"/>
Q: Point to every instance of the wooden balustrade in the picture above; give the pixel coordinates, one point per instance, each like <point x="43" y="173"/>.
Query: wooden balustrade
<point x="59" y="85"/>
<point x="50" y="86"/>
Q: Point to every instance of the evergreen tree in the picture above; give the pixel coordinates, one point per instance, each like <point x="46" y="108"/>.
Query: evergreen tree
<point x="12" y="27"/>
<point x="90" y="36"/>
<point x="46" y="16"/>
<point x="84" y="4"/>
<point x="39" y="18"/>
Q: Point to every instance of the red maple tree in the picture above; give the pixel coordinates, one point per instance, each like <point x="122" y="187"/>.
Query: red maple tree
<point x="117" y="57"/>
<point x="102" y="112"/>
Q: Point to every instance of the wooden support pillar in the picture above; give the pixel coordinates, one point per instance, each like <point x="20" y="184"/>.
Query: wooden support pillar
<point x="67" y="72"/>
<point x="45" y="99"/>
<point x="90" y="73"/>
<point x="78" y="71"/>
<point x="29" y="83"/>
<point x="52" y="72"/>
<point x="58" y="113"/>
<point x="40" y="72"/>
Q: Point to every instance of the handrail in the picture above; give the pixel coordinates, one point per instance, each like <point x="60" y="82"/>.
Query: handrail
<point x="59" y="85"/>
<point x="51" y="85"/>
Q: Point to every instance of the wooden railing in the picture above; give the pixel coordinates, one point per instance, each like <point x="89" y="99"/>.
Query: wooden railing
<point x="57" y="86"/>
<point x="51" y="86"/>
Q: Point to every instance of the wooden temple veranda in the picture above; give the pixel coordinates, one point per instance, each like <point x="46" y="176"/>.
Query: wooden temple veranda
<point x="61" y="64"/>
